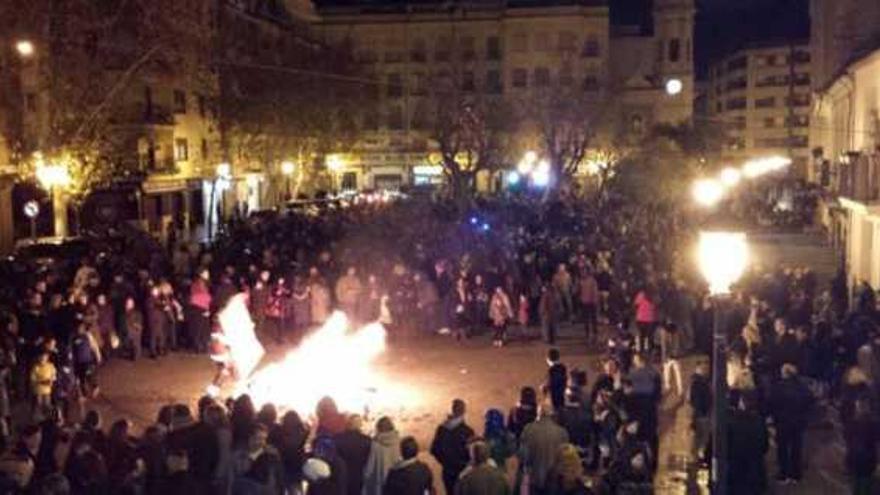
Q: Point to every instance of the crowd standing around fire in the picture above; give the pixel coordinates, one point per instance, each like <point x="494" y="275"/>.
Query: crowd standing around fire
<point x="511" y="269"/>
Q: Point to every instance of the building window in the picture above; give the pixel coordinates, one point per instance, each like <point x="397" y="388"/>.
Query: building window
<point x="591" y="83"/>
<point x="395" y="86"/>
<point x="769" y="60"/>
<point x="395" y="118"/>
<point x="468" y="52"/>
<point x="418" y="51"/>
<point x="799" y="141"/>
<point x="181" y="150"/>
<point x="798" y="100"/>
<point x="736" y="103"/>
<point x="148" y="101"/>
<point x="542" y="42"/>
<point x="591" y="47"/>
<point x="203" y="106"/>
<point x="419" y="85"/>
<point x="371" y="120"/>
<point x="467" y="81"/>
<point x="769" y="122"/>
<point x="566" y="77"/>
<point x="802" y="79"/>
<point x="204" y="149"/>
<point x="733" y="84"/>
<point x="441" y="51"/>
<point x="798" y="121"/>
<point x="738" y="63"/>
<point x="801" y="57"/>
<point x="637" y="123"/>
<point x="768" y="102"/>
<point x="493" y="82"/>
<point x="349" y="181"/>
<point x="493" y="48"/>
<point x="674" y="50"/>
<point x="542" y="77"/>
<point x="520" y="78"/>
<point x="776" y="142"/>
<point x="567" y="42"/>
<point x="30" y="102"/>
<point x="179" y="101"/>
<point x="520" y="43"/>
<point x="739" y="123"/>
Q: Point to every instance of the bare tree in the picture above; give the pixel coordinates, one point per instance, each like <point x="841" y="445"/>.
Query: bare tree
<point x="89" y="58"/>
<point x="304" y="104"/>
<point x="472" y="127"/>
<point x="566" y="120"/>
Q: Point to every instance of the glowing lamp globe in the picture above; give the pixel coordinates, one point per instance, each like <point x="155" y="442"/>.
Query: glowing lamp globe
<point x="708" y="192"/>
<point x="287" y="168"/>
<point x="722" y="258"/>
<point x="674" y="87"/>
<point x="513" y="178"/>
<point x="24" y="48"/>
<point x="730" y="176"/>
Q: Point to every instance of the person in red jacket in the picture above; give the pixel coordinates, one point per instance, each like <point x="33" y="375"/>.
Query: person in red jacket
<point x="646" y="320"/>
<point x="199" y="316"/>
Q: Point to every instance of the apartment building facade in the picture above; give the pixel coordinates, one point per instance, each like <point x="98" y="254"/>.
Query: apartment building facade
<point x="505" y="50"/>
<point x="761" y="94"/>
<point x="845" y="128"/>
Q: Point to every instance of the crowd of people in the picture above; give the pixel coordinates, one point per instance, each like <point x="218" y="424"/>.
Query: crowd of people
<point x="506" y="268"/>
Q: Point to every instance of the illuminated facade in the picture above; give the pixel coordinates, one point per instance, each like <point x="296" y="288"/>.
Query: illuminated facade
<point x="762" y="95"/>
<point x="504" y="50"/>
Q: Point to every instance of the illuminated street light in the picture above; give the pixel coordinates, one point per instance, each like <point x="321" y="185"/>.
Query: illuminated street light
<point x="25" y="48"/>
<point x="52" y="176"/>
<point x="335" y="163"/>
<point x="730" y="176"/>
<point x="527" y="164"/>
<point x="287" y="168"/>
<point x="708" y="192"/>
<point x="674" y="87"/>
<point x="541" y="174"/>
<point x="513" y="178"/>
<point x="224" y="171"/>
<point x="722" y="258"/>
<point x="762" y="166"/>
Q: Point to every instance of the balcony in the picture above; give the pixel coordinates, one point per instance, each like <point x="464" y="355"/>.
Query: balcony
<point x="858" y="177"/>
<point x="141" y="115"/>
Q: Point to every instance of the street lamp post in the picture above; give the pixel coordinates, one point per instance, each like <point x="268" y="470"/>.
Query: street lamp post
<point x="222" y="176"/>
<point x="335" y="163"/>
<point x="287" y="168"/>
<point x="722" y="258"/>
<point x="54" y="178"/>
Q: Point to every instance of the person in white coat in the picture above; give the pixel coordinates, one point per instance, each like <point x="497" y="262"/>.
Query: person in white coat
<point x="384" y="455"/>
